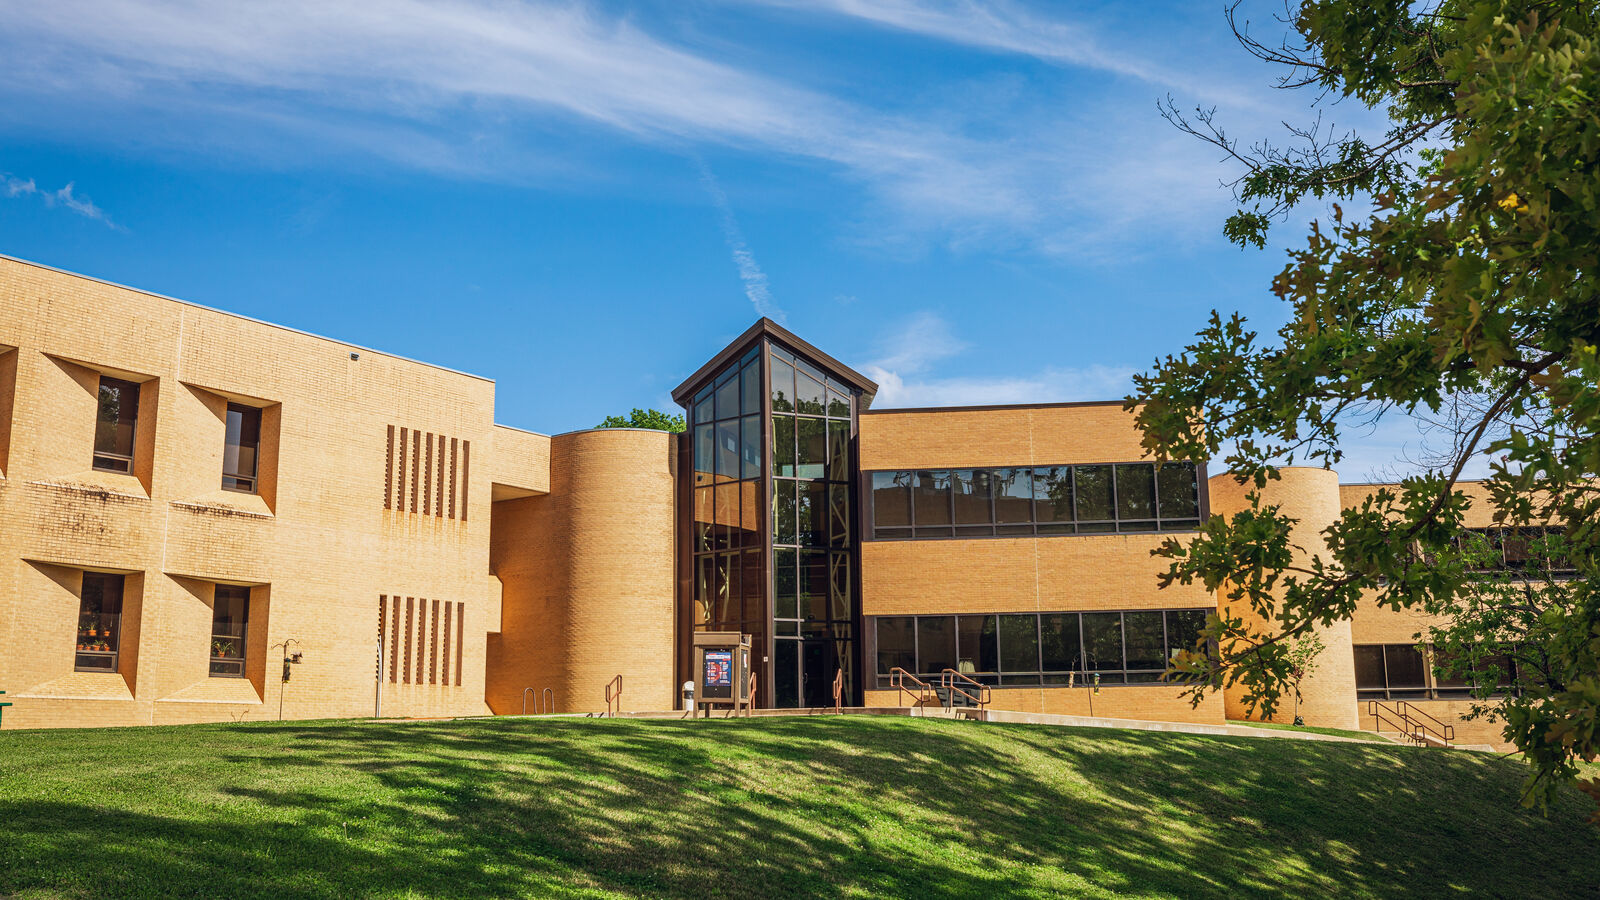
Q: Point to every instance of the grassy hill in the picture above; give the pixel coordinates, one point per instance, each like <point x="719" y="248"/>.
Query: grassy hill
<point x="759" y="808"/>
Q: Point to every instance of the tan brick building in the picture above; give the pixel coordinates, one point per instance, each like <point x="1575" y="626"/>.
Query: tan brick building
<point x="194" y="496"/>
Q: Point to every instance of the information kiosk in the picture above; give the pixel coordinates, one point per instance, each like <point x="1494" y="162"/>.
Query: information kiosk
<point x="722" y="670"/>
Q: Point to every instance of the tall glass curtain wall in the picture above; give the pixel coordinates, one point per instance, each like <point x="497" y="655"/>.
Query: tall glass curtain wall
<point x="805" y="483"/>
<point x="729" y="573"/>
<point x="812" y="532"/>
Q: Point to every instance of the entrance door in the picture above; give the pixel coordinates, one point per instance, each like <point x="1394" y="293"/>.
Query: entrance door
<point x="816" y="673"/>
<point x="786" y="673"/>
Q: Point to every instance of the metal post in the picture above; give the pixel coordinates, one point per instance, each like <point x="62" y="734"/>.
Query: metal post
<point x="377" y="689"/>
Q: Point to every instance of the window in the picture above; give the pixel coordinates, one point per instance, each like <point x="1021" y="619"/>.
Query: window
<point x="230" y="612"/>
<point x="1053" y="649"/>
<point x="1390" y="672"/>
<point x="1090" y="499"/>
<point x="99" y="623"/>
<point x="115" y="418"/>
<point x="243" y="445"/>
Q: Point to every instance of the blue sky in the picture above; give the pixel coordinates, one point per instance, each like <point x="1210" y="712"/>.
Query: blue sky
<point x="971" y="203"/>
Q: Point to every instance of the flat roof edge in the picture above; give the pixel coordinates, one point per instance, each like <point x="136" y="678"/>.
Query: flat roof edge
<point x="991" y="406"/>
<point x="240" y="316"/>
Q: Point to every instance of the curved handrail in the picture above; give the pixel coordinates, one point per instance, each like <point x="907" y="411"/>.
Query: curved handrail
<point x="750" y="700"/>
<point x="525" y="701"/>
<point x="547" y="701"/>
<point x="947" y="680"/>
<point x="838" y="690"/>
<point x="614" y="695"/>
<point x="923" y="691"/>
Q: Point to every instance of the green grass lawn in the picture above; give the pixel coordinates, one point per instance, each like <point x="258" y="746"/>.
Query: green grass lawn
<point x="851" y="806"/>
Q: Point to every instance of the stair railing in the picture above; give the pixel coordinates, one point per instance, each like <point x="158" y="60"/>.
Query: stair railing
<point x="978" y="695"/>
<point x="838" y="691"/>
<point x="750" y="703"/>
<point x="1439" y="731"/>
<point x="921" y="692"/>
<point x="614" y="696"/>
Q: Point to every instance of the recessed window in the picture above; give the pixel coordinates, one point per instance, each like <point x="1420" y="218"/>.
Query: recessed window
<point x="115" y="418"/>
<point x="242" y="449"/>
<point x="99" y="623"/>
<point x="230" y="614"/>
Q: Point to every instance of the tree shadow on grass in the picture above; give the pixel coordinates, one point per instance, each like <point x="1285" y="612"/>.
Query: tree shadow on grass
<point x="798" y="807"/>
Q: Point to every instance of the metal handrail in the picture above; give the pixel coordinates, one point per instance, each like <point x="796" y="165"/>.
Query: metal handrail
<point x="549" y="697"/>
<point x="838" y="690"/>
<point x="923" y="692"/>
<point x="947" y="680"/>
<point x="614" y="695"/>
<point x="1445" y="733"/>
<point x="750" y="701"/>
<point x="1380" y="715"/>
<point x="525" y="701"/>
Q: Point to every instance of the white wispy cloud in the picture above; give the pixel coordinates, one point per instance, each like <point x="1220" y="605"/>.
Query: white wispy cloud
<point x="756" y="289"/>
<point x="906" y="376"/>
<point x="479" y="87"/>
<point x="66" y="197"/>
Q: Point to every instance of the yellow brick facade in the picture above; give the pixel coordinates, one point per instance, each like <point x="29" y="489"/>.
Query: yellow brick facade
<point x="426" y="561"/>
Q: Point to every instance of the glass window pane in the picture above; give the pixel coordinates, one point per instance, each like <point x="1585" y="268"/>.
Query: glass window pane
<point x="704" y="515"/>
<point x="705" y="453"/>
<point x="99" y="622"/>
<point x="972" y="496"/>
<point x="786" y="583"/>
<point x="1013" y="495"/>
<point x="813" y="499"/>
<point x="243" y="438"/>
<point x="784" y="515"/>
<point x="808" y="395"/>
<point x="977" y="650"/>
<point x="838" y="450"/>
<point x="750" y="389"/>
<point x="725" y="535"/>
<point x="705" y="407"/>
<point x="1102" y="641"/>
<point x="115" y="417"/>
<point x="750" y="448"/>
<point x="1136" y="491"/>
<point x="1052" y="494"/>
<point x="814" y="585"/>
<point x="811" y="455"/>
<point x="1369" y="667"/>
<point x="1059" y="650"/>
<point x="1180" y="491"/>
<point x="891" y="499"/>
<point x="1093" y="486"/>
<point x="838" y="404"/>
<point x="728" y="398"/>
<point x="1403" y="663"/>
<point x="782" y="386"/>
<point x="839" y="515"/>
<point x="1184" y="627"/>
<point x="936" y="644"/>
<point x="931" y="498"/>
<point x="1019" y="643"/>
<point x="754" y="576"/>
<point x="840" y="607"/>
<point x="728" y="449"/>
<point x="721" y="613"/>
<point x="749" y="534"/>
<point x="897" y="647"/>
<point x="783" y="446"/>
<point x="1145" y="639"/>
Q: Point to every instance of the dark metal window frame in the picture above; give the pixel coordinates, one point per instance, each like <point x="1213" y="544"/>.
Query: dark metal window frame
<point x="250" y="483"/>
<point x="1431" y="689"/>
<point x="1037" y="528"/>
<point x="114" y="655"/>
<point x="996" y="678"/>
<point x="106" y="460"/>
<point x="243" y="637"/>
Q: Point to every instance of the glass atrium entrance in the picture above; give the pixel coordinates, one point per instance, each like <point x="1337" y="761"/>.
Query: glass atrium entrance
<point x="771" y="525"/>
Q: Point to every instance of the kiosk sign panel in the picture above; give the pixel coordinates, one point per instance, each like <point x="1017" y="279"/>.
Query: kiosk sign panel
<point x="718" y="675"/>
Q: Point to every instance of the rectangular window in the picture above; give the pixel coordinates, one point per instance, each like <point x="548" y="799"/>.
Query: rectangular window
<point x="783" y="446"/>
<point x="230" y="613"/>
<point x="897" y="645"/>
<point x="1146" y="645"/>
<point x="1370" y="684"/>
<point x="1019" y="649"/>
<point x="891" y="504"/>
<point x="1136" y="497"/>
<point x="1407" y="673"/>
<point x="930" y="503"/>
<point x="750" y="447"/>
<point x="784" y="514"/>
<point x="978" y="651"/>
<point x="1059" y="650"/>
<point x="936" y="644"/>
<point x="1096" y="509"/>
<point x="974" y="501"/>
<point x="809" y="395"/>
<point x="1013" y="500"/>
<point x="1178" y="488"/>
<point x="1184" y="629"/>
<point x="728" y="449"/>
<point x="782" y="386"/>
<point x="785" y="582"/>
<point x="839" y="450"/>
<point x="99" y="622"/>
<point x="241" y="448"/>
<point x="115" y="418"/>
<point x="811" y="455"/>
<point x="1053" y="499"/>
<point x="1102" y="644"/>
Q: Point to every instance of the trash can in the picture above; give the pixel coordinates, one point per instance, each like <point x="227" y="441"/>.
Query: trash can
<point x="688" y="696"/>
